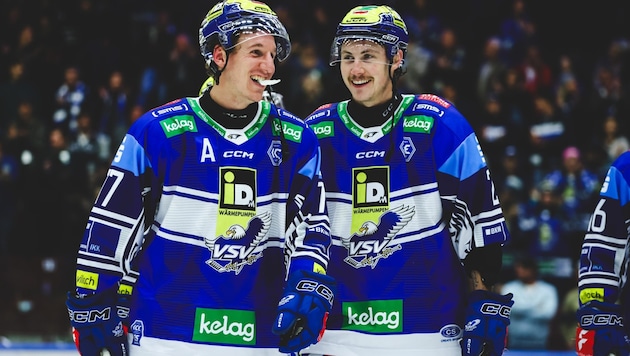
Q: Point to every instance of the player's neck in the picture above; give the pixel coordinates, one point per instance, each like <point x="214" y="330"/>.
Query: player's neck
<point x="373" y="115"/>
<point x="228" y="118"/>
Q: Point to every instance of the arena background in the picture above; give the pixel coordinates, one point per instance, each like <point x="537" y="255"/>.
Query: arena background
<point x="153" y="46"/>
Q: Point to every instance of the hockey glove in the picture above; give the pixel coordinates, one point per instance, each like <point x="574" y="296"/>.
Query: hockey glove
<point x="97" y="323"/>
<point x="487" y="319"/>
<point x="303" y="310"/>
<point x="600" y="330"/>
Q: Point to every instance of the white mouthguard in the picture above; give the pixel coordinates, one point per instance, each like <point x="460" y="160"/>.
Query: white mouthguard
<point x="268" y="82"/>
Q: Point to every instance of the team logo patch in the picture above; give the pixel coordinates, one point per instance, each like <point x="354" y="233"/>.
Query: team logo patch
<point x="407" y="148"/>
<point x="275" y="152"/>
<point x="373" y="240"/>
<point x="234" y="249"/>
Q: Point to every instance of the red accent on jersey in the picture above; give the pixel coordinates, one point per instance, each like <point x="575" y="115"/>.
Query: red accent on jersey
<point x="435" y="99"/>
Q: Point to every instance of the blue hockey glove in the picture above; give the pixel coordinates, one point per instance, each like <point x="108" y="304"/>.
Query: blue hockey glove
<point x="97" y="323"/>
<point x="600" y="330"/>
<point x="303" y="310"/>
<point x="487" y="319"/>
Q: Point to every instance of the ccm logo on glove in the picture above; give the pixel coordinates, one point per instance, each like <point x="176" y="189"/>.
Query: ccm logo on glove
<point x="313" y="286"/>
<point x="496" y="309"/>
<point x="601" y="320"/>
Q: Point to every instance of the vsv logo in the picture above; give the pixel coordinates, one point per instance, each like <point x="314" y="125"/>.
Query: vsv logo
<point x="225" y="326"/>
<point x="376" y="316"/>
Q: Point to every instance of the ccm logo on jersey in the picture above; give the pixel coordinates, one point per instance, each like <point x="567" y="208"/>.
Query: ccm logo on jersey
<point x="370" y="154"/>
<point x="496" y="309"/>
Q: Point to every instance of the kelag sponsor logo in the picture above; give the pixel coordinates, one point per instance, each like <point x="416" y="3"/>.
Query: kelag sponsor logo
<point x="375" y="316"/>
<point x="178" y="125"/>
<point x="290" y="131"/>
<point x="225" y="326"/>
<point x="420" y="123"/>
<point x="324" y="129"/>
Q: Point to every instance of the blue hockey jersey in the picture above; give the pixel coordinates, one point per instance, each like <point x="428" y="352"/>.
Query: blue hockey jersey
<point x="407" y="200"/>
<point x="603" y="259"/>
<point x="202" y="224"/>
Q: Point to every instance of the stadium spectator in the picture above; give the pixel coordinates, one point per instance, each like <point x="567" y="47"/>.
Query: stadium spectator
<point x="71" y="97"/>
<point x="113" y="105"/>
<point x="613" y="140"/>
<point x="578" y="189"/>
<point x="535" y="305"/>
<point x="13" y="91"/>
<point x="491" y="73"/>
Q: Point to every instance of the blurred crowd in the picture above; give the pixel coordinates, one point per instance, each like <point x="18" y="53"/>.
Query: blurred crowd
<point x="544" y="84"/>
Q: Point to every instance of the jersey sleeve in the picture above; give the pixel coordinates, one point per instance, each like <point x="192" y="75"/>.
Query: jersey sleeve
<point x="603" y="259"/>
<point x="115" y="228"/>
<point x="308" y="226"/>
<point x="466" y="187"/>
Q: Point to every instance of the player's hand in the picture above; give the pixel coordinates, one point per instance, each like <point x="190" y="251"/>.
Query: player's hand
<point x="600" y="330"/>
<point x="97" y="323"/>
<point x="303" y="310"/>
<point x="487" y="319"/>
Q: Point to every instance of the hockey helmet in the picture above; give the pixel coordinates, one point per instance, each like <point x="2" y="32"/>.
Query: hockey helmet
<point x="230" y="18"/>
<point x="378" y="23"/>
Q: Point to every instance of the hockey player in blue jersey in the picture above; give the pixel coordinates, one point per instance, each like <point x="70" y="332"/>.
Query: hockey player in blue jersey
<point x="412" y="208"/>
<point x="604" y="293"/>
<point x="210" y="234"/>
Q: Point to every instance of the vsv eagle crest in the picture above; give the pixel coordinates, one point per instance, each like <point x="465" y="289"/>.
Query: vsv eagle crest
<point x="234" y="249"/>
<point x="372" y="241"/>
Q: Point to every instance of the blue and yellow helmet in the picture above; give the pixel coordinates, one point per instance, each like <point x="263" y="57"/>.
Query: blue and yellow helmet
<point x="378" y="23"/>
<point x="230" y="18"/>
